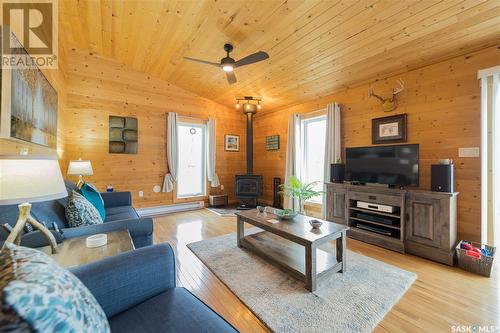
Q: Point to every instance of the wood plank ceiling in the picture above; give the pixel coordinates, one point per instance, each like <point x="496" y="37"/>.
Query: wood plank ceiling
<point x="315" y="47"/>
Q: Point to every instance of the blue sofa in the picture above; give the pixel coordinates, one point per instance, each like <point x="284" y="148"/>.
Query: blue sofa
<point x="119" y="215"/>
<point x="137" y="291"/>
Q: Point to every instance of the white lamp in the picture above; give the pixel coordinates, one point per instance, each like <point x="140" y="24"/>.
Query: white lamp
<point x="25" y="179"/>
<point x="80" y="168"/>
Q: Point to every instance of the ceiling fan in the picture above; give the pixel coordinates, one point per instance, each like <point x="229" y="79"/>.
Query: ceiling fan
<point x="228" y="64"/>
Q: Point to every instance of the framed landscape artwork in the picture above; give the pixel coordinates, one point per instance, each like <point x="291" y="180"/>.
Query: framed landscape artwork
<point x="390" y="129"/>
<point x="29" y="107"/>
<point x="232" y="142"/>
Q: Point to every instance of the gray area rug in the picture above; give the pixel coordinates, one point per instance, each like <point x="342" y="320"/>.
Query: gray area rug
<point x="355" y="301"/>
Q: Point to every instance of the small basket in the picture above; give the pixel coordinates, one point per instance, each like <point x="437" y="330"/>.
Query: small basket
<point x="481" y="266"/>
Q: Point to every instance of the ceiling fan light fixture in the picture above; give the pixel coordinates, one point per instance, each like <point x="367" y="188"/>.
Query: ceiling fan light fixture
<point x="227" y="68"/>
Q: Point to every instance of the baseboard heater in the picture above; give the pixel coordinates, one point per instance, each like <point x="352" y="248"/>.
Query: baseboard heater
<point x="162" y="210"/>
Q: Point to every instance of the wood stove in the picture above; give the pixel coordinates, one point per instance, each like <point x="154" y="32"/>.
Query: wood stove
<point x="248" y="188"/>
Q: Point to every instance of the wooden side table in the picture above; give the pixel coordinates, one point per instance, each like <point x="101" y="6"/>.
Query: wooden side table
<point x="217" y="200"/>
<point x="74" y="251"/>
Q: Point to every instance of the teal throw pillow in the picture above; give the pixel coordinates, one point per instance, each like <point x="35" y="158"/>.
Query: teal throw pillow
<point x="94" y="197"/>
<point x="81" y="212"/>
<point x="37" y="295"/>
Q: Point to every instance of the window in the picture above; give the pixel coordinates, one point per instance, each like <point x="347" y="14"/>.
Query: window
<point x="313" y="149"/>
<point x="191" y="179"/>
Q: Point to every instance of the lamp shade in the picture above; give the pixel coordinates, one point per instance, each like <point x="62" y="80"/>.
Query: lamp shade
<point x="80" y="168"/>
<point x="30" y="179"/>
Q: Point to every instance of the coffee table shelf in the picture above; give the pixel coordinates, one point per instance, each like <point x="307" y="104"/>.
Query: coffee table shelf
<point x="293" y="245"/>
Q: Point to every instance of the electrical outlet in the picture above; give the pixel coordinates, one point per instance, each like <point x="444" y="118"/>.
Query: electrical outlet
<point x="468" y="152"/>
<point x="141" y="194"/>
<point x="222" y="187"/>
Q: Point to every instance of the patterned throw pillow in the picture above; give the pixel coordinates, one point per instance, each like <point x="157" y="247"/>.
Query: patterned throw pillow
<point x="38" y="295"/>
<point x="81" y="212"/>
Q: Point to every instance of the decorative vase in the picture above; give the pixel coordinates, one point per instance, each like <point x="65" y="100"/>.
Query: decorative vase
<point x="301" y="207"/>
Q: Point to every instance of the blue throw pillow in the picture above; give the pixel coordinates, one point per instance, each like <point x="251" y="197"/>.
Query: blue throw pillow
<point x="37" y="295"/>
<point x="94" y="197"/>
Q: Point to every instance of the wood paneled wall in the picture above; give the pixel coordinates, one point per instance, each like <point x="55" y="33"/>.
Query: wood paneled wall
<point x="98" y="87"/>
<point x="443" y="106"/>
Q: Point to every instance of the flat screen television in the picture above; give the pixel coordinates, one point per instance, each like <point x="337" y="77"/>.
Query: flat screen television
<point x="395" y="165"/>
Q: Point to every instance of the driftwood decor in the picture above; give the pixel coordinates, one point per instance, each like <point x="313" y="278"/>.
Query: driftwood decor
<point x="391" y="103"/>
<point x="25" y="216"/>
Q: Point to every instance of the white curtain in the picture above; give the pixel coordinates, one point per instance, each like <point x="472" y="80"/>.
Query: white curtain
<point x="172" y="153"/>
<point x="490" y="155"/>
<point x="212" y="176"/>
<point x="332" y="144"/>
<point x="292" y="167"/>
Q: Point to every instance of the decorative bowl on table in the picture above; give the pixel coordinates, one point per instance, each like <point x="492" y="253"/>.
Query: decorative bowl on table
<point x="285" y="214"/>
<point x="316" y="224"/>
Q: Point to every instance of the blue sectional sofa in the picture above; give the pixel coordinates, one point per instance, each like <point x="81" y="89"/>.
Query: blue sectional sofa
<point x="137" y="291"/>
<point x="119" y="215"/>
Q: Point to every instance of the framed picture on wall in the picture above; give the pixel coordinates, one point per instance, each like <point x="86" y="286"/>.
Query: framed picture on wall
<point x="232" y="142"/>
<point x="390" y="129"/>
<point x="28" y="105"/>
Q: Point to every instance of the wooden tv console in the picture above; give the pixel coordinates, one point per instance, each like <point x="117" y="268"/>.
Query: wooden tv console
<point x="423" y="223"/>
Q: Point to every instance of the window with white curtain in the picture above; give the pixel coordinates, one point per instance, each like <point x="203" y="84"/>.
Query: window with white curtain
<point x="313" y="132"/>
<point x="191" y="174"/>
<point x="490" y="155"/>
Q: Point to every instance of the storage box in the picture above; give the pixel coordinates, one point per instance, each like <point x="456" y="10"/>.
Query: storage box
<point x="481" y="266"/>
<point x="217" y="200"/>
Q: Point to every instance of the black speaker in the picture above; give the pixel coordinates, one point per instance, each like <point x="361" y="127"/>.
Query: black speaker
<point x="442" y="178"/>
<point x="337" y="172"/>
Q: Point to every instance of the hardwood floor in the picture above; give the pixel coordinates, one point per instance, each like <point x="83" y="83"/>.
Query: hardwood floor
<point x="441" y="297"/>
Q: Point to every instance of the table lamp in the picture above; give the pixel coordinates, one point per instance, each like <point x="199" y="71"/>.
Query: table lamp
<point x="80" y="168"/>
<point x="28" y="179"/>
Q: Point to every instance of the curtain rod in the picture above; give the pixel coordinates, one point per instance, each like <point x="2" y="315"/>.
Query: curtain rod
<point x="312" y="112"/>
<point x="191" y="117"/>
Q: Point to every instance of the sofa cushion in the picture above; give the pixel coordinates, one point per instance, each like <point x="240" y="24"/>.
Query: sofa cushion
<point x="120" y="213"/>
<point x="175" y="310"/>
<point x="38" y="295"/>
<point x="80" y="212"/>
<point x="94" y="197"/>
<point x="50" y="212"/>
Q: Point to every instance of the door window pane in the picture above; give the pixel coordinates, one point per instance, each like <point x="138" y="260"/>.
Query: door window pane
<point x="314" y="131"/>
<point x="191" y="165"/>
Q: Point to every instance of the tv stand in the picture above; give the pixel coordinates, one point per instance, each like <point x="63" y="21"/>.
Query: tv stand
<point x="414" y="221"/>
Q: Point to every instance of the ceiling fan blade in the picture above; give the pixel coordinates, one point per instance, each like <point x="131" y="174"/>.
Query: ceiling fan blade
<point x="252" y="58"/>
<point x="203" y="61"/>
<point x="231" y="78"/>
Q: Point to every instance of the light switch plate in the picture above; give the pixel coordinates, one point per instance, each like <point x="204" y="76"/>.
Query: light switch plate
<point x="468" y="152"/>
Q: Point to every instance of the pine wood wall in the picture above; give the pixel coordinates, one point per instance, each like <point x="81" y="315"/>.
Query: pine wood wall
<point x="443" y="106"/>
<point x="98" y="87"/>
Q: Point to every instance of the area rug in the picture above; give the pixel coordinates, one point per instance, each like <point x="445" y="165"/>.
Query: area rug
<point x="354" y="301"/>
<point x="223" y="211"/>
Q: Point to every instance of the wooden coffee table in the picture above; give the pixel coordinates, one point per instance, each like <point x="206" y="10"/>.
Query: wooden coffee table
<point x="74" y="251"/>
<point x="293" y="245"/>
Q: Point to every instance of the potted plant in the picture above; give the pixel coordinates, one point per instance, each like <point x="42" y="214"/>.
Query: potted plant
<point x="294" y="188"/>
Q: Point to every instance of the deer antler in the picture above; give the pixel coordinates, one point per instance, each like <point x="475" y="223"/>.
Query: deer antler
<point x="372" y="94"/>
<point x="396" y="91"/>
